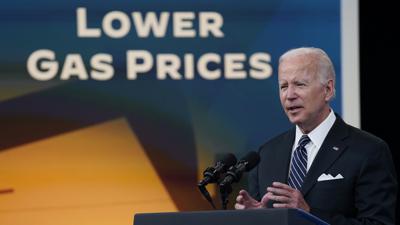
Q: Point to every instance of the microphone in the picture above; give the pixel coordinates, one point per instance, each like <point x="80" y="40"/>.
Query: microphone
<point x="212" y="174"/>
<point x="247" y="163"/>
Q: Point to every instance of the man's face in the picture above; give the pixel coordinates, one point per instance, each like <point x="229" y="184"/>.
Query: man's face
<point x="304" y="98"/>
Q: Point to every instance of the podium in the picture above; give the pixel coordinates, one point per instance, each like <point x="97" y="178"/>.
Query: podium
<point x="230" y="217"/>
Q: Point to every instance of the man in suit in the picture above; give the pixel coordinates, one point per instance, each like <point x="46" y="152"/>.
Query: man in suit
<point x="323" y="166"/>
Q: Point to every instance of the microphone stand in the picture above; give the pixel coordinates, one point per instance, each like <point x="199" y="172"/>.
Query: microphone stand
<point x="206" y="194"/>
<point x="225" y="189"/>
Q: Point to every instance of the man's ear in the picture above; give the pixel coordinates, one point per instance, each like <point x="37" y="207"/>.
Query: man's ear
<point x="329" y="90"/>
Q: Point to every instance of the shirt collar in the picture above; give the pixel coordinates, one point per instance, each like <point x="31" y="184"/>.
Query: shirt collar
<point x="318" y="135"/>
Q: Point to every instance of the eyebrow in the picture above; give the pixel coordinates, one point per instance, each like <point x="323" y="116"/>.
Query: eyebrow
<point x="294" y="81"/>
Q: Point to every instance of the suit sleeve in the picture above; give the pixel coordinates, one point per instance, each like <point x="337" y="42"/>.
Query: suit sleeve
<point x="254" y="189"/>
<point x="375" y="192"/>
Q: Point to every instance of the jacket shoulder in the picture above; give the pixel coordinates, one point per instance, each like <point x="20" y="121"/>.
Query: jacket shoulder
<point x="286" y="137"/>
<point x="363" y="137"/>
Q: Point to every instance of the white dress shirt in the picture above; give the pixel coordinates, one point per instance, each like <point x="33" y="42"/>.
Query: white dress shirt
<point x="317" y="137"/>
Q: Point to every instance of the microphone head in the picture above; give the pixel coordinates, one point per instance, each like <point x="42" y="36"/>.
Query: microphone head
<point x="252" y="159"/>
<point x="228" y="160"/>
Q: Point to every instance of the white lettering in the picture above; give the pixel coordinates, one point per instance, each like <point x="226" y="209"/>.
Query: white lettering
<point x="168" y="64"/>
<point x="183" y="24"/>
<point x="202" y="66"/>
<point x="134" y="67"/>
<point x="210" y="22"/>
<point x="73" y="66"/>
<point x="233" y="67"/>
<point x="261" y="69"/>
<point x="122" y="18"/>
<point x="150" y="22"/>
<point x="101" y="67"/>
<point x="48" y="69"/>
<point x="83" y="30"/>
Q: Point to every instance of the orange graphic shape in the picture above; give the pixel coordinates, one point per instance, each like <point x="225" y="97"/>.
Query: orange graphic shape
<point x="94" y="176"/>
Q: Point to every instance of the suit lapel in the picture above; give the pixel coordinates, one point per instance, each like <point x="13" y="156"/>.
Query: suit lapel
<point x="283" y="155"/>
<point x="332" y="147"/>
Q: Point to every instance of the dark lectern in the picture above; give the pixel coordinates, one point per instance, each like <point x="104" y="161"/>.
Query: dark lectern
<point x="230" y="217"/>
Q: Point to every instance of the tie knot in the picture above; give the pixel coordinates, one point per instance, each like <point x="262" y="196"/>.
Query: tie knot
<point x="304" y="140"/>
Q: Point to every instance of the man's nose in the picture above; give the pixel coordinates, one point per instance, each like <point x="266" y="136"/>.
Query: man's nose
<point x="291" y="93"/>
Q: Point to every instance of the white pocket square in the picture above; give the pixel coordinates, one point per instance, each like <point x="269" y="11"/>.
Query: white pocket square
<point x="328" y="176"/>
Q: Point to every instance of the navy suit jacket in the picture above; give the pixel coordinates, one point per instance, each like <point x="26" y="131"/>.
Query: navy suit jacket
<point x="365" y="195"/>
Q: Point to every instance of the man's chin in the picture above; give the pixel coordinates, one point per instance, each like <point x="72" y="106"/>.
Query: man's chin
<point x="295" y="119"/>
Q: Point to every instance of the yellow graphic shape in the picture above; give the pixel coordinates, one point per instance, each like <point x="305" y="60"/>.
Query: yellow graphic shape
<point x="94" y="176"/>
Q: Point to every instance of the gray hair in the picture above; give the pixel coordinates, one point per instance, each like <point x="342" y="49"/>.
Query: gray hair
<point x="325" y="68"/>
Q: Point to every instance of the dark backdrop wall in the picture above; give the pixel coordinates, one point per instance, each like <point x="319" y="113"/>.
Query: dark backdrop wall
<point x="379" y="63"/>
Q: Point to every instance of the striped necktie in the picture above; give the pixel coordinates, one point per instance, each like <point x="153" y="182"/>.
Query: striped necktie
<point x="298" y="168"/>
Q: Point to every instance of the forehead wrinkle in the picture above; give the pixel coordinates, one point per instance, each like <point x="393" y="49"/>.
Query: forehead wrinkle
<point x="307" y="66"/>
